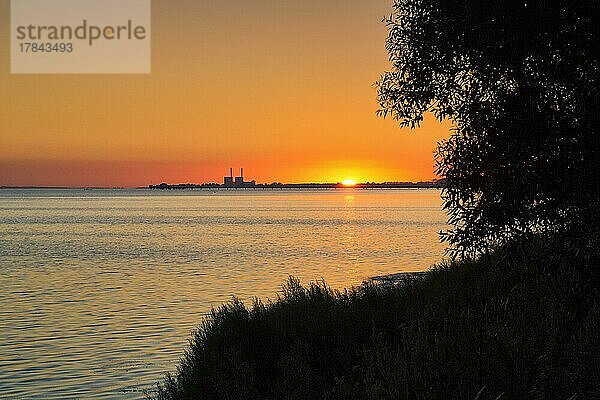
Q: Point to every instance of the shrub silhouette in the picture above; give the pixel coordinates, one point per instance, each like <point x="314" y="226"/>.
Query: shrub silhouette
<point x="521" y="326"/>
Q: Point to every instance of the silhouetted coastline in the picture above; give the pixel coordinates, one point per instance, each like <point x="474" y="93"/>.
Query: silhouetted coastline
<point x="238" y="182"/>
<point x="300" y="186"/>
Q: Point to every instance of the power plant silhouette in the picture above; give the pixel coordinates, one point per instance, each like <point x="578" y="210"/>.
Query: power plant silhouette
<point x="238" y="181"/>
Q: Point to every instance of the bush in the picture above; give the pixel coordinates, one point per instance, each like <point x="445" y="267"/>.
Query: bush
<point x="502" y="326"/>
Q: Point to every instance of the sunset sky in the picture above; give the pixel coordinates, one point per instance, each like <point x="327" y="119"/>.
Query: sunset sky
<point x="282" y="88"/>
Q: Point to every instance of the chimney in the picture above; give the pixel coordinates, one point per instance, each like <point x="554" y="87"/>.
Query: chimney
<point x="231" y="172"/>
<point x="242" y="172"/>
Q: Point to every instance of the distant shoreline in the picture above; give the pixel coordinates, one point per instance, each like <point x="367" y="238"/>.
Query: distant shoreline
<point x="68" y="188"/>
<point x="299" y="186"/>
<point x="220" y="187"/>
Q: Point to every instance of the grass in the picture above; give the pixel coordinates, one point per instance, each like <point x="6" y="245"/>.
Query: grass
<point x="517" y="324"/>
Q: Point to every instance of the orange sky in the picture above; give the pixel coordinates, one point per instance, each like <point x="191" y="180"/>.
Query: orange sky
<point x="282" y="88"/>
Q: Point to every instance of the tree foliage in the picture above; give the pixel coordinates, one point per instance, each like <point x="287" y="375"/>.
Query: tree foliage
<point x="519" y="80"/>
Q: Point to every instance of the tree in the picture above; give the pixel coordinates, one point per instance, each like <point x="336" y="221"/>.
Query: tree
<point x="519" y="80"/>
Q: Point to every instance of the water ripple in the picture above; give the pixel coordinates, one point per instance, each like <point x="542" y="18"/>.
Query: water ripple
<point x="102" y="289"/>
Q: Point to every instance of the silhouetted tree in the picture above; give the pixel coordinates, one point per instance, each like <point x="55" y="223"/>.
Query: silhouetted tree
<point x="519" y="79"/>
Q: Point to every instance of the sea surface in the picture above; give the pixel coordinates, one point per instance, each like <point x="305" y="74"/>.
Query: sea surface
<point x="101" y="289"/>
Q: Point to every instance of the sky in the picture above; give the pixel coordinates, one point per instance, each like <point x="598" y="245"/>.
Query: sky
<point x="282" y="88"/>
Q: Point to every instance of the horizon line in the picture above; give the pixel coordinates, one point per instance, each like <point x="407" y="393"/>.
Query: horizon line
<point x="64" y="187"/>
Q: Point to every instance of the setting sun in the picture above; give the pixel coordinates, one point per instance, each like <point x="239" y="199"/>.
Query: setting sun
<point x="349" y="182"/>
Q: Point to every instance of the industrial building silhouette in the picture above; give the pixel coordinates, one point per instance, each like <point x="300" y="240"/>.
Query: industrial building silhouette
<point x="238" y="181"/>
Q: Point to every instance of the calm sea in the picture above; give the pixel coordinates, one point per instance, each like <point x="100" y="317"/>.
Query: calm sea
<point x="100" y="289"/>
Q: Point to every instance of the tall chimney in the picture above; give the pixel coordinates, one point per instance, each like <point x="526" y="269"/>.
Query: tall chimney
<point x="242" y="172"/>
<point x="231" y="172"/>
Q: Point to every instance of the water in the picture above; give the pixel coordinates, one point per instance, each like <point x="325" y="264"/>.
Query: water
<point x="100" y="289"/>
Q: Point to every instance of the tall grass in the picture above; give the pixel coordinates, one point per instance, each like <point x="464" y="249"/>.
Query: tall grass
<point x="511" y="325"/>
